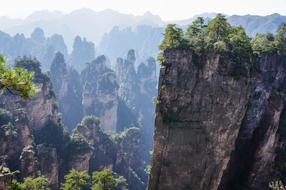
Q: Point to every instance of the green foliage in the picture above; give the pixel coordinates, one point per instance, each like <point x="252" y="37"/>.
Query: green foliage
<point x="15" y="185"/>
<point x="52" y="134"/>
<point x="217" y="30"/>
<point x="16" y="80"/>
<point x="90" y="120"/>
<point x="196" y="28"/>
<point x="76" y="180"/>
<point x="263" y="43"/>
<point x="38" y="183"/>
<point x="103" y="180"/>
<point x="148" y="168"/>
<point x="268" y="43"/>
<point x="28" y="63"/>
<point x="280" y="39"/>
<point x="218" y="36"/>
<point x="100" y="180"/>
<point x="173" y="38"/>
<point x="195" y="35"/>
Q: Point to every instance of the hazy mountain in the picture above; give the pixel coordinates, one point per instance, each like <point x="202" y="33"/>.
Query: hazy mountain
<point x="143" y="39"/>
<point x="93" y="25"/>
<point x="83" y="22"/>
<point x="258" y="24"/>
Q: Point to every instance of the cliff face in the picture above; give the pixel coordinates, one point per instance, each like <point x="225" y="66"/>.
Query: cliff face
<point x="34" y="141"/>
<point x="93" y="150"/>
<point x="27" y="145"/>
<point x="197" y="123"/>
<point x="255" y="156"/>
<point x="214" y="131"/>
<point x="100" y="93"/>
<point x="136" y="91"/>
<point x="68" y="91"/>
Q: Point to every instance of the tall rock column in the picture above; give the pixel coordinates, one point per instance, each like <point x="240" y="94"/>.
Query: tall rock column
<point x="198" y="116"/>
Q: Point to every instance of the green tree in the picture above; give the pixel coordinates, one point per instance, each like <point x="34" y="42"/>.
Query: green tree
<point x="16" y="80"/>
<point x="280" y="39"/>
<point x="196" y="28"/>
<point x="195" y="35"/>
<point x="240" y="51"/>
<point x="103" y="180"/>
<point x="90" y="120"/>
<point x="38" y="183"/>
<point x="217" y="29"/>
<point x="173" y="38"/>
<point x="263" y="43"/>
<point x="76" y="180"/>
<point x="15" y="185"/>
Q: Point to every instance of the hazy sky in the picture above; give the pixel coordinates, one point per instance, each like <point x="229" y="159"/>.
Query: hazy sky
<point x="167" y="9"/>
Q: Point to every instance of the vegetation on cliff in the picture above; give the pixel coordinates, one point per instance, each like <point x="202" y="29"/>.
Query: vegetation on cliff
<point x="16" y="80"/>
<point x="100" y="180"/>
<point x="219" y="37"/>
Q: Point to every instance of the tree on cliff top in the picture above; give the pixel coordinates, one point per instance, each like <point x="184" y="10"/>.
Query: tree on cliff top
<point x="103" y="180"/>
<point x="173" y="38"/>
<point x="218" y="29"/>
<point x="76" y="180"/>
<point x="38" y="183"/>
<point x="280" y="39"/>
<point x="16" y="80"/>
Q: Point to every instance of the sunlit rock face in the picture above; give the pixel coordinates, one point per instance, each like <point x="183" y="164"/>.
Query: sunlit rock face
<point x="99" y="95"/>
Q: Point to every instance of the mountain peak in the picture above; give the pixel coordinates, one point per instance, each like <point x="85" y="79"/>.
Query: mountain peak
<point x="44" y="15"/>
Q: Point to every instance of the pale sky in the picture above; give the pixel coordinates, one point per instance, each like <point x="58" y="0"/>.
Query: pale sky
<point x="166" y="9"/>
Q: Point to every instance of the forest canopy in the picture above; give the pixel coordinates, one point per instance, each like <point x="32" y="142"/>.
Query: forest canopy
<point x="220" y="36"/>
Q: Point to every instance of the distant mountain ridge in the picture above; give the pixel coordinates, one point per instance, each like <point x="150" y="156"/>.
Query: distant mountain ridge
<point x="83" y="22"/>
<point x="94" y="24"/>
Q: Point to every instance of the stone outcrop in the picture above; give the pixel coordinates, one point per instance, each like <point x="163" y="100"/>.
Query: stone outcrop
<point x="100" y="93"/>
<point x="197" y="122"/>
<point x="214" y="131"/>
<point x="83" y="52"/>
<point x="68" y="91"/>
<point x="136" y="91"/>
<point x="256" y="147"/>
<point x="93" y="150"/>
<point x="33" y="127"/>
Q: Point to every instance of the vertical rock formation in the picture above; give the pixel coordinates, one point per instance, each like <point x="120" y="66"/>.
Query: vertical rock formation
<point x="83" y="52"/>
<point x="253" y="159"/>
<point x="93" y="150"/>
<point x="197" y="122"/>
<point x="68" y="91"/>
<point x="34" y="129"/>
<point x="136" y="92"/>
<point x="148" y="82"/>
<point x="100" y="93"/>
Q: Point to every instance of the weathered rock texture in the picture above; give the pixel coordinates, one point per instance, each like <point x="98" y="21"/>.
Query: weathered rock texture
<point x="100" y="93"/>
<point x="68" y="91"/>
<point x="32" y="135"/>
<point x="34" y="141"/>
<point x="93" y="150"/>
<point x="214" y="131"/>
